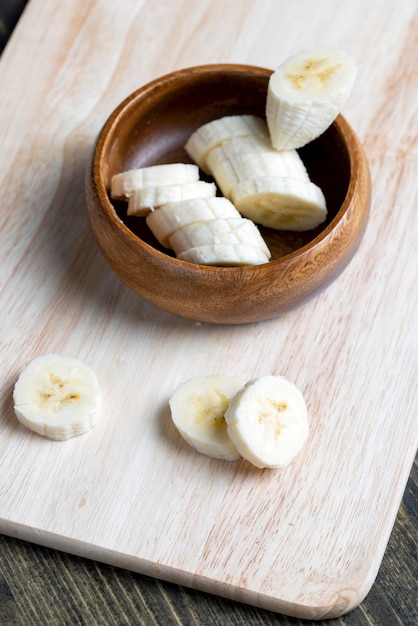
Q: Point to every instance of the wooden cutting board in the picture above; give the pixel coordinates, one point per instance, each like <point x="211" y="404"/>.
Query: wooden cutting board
<point x="307" y="541"/>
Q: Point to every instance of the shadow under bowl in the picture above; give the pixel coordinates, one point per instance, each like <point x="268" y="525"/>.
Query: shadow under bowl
<point x="150" y="127"/>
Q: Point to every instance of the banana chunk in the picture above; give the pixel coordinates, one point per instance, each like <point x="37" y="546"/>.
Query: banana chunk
<point x="143" y="200"/>
<point x="224" y="255"/>
<point x="211" y="134"/>
<point x="306" y="93"/>
<point x="236" y="230"/>
<point x="197" y="410"/>
<point x="229" y="167"/>
<point x="170" y="218"/>
<point x="124" y="183"/>
<point x="281" y="203"/>
<point x="267" y="421"/>
<point x="57" y="397"/>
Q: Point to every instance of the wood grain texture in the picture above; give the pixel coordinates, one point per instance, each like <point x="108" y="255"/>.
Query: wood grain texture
<point x="306" y="542"/>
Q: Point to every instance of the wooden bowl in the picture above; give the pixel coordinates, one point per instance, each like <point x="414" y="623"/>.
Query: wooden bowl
<point x="150" y="127"/>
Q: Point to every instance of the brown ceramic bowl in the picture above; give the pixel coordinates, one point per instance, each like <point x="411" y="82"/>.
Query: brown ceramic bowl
<point x="150" y="127"/>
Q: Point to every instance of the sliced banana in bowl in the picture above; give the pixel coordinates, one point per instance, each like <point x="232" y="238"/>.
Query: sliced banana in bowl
<point x="151" y="128"/>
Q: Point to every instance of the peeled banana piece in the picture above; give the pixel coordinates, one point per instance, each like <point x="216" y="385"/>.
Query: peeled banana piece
<point x="255" y="165"/>
<point x="268" y="186"/>
<point x="235" y="230"/>
<point x="267" y="421"/>
<point x="281" y="203"/>
<point x="212" y="134"/>
<point x="143" y="200"/>
<point x="305" y="95"/>
<point x="263" y="420"/>
<point x="251" y="157"/>
<point x="124" y="183"/>
<point x="172" y="217"/>
<point x="223" y="254"/>
<point x="197" y="409"/>
<point x="208" y="231"/>
<point x="57" y="397"/>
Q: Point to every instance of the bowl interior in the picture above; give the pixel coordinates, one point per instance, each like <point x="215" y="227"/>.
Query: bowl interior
<point x="152" y="126"/>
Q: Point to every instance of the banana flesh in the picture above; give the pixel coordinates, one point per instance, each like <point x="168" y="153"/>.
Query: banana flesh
<point x="197" y="409"/>
<point x="57" y="397"/>
<point x="268" y="186"/>
<point x="306" y="93"/>
<point x="229" y="167"/>
<point x="143" y="200"/>
<point x="212" y="134"/>
<point x="197" y="225"/>
<point x="124" y="183"/>
<point x="219" y="231"/>
<point x="255" y="165"/>
<point x="267" y="421"/>
<point x="281" y="203"/>
<point x="263" y="420"/>
<point x="176" y="215"/>
<point x="223" y="254"/>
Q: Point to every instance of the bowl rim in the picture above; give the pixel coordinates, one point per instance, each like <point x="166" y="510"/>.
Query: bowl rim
<point x="109" y="126"/>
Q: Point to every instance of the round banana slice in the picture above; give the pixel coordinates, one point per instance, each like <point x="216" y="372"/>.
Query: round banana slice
<point x="281" y="203"/>
<point x="267" y="421"/>
<point x="223" y="254"/>
<point x="211" y="134"/>
<point x="143" y="200"/>
<point x="124" y="183"/>
<point x="57" y="397"/>
<point x="235" y="230"/>
<point x="171" y="217"/>
<point x="306" y="93"/>
<point x="197" y="410"/>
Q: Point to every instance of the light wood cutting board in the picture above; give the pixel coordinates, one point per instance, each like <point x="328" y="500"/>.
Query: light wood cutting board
<point x="307" y="541"/>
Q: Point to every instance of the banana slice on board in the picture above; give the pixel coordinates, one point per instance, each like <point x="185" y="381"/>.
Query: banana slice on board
<point x="306" y="93"/>
<point x="211" y="134"/>
<point x="168" y="219"/>
<point x="124" y="183"/>
<point x="281" y="203"/>
<point x="224" y="255"/>
<point x="267" y="421"/>
<point x="235" y="230"/>
<point x="197" y="410"/>
<point x="57" y="397"/>
<point x="143" y="200"/>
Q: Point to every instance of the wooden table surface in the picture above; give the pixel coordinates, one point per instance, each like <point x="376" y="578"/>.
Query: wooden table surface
<point x="39" y="585"/>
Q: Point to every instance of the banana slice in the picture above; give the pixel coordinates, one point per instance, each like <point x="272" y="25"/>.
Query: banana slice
<point x="123" y="184"/>
<point x="211" y="134"/>
<point x="236" y="230"/>
<point x="197" y="410"/>
<point x="233" y="161"/>
<point x="224" y="254"/>
<point x="281" y="203"/>
<point x="290" y="159"/>
<point x="170" y="218"/>
<point x="305" y="94"/>
<point x="267" y="421"/>
<point x="143" y="200"/>
<point x="57" y="397"/>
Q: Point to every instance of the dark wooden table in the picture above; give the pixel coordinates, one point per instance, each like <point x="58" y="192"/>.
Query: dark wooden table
<point x="39" y="586"/>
